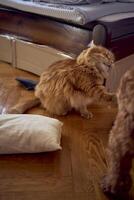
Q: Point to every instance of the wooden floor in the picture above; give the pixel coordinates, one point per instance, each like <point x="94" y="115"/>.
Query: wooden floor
<point x="70" y="174"/>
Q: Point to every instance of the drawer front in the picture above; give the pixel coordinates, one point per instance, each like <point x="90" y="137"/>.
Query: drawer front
<point x="5" y="49"/>
<point x="36" y="58"/>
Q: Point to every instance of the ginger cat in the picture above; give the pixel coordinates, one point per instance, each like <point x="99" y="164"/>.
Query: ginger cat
<point x="73" y="84"/>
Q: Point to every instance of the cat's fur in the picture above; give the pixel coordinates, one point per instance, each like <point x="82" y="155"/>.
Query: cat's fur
<point x="74" y="83"/>
<point x="121" y="141"/>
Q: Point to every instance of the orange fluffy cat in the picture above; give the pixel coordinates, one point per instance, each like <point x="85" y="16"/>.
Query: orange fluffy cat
<point x="73" y="84"/>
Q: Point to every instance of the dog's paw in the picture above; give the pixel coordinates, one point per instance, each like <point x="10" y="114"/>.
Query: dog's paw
<point x="117" y="189"/>
<point x="106" y="185"/>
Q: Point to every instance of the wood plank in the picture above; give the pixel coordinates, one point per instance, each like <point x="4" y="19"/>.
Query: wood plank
<point x="43" y="196"/>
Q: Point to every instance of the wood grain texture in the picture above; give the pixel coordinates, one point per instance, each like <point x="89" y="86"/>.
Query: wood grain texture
<point x="71" y="174"/>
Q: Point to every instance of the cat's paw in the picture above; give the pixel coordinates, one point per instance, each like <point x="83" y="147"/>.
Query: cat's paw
<point x="87" y="115"/>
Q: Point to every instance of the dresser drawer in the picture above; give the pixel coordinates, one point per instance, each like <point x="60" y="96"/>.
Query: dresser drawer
<point x="36" y="58"/>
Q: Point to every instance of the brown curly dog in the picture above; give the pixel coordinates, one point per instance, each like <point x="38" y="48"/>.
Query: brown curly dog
<point x="121" y="141"/>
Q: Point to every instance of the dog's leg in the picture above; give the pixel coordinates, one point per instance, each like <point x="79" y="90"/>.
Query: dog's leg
<point x="117" y="180"/>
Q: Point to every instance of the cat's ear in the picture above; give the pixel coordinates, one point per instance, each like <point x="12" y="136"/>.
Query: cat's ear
<point x="81" y="59"/>
<point x="97" y="49"/>
<point x="91" y="44"/>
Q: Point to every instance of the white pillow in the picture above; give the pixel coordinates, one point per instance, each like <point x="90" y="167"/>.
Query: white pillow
<point x="29" y="133"/>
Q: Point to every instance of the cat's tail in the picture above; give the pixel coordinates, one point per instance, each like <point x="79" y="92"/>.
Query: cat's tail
<point x="26" y="104"/>
<point x="22" y="107"/>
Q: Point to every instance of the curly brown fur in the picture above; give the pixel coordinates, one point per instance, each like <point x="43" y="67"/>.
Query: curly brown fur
<point x="74" y="84"/>
<point x="121" y="141"/>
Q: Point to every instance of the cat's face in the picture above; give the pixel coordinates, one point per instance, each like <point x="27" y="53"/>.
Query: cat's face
<point x="103" y="58"/>
<point x="102" y="55"/>
<point x="99" y="55"/>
